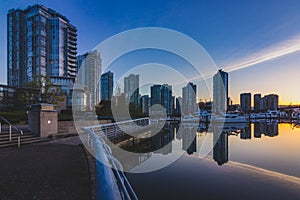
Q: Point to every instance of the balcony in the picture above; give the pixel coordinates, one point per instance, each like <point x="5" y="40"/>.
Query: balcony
<point x="72" y="46"/>
<point x="72" y="56"/>
<point x="72" y="51"/>
<point x="72" y="42"/>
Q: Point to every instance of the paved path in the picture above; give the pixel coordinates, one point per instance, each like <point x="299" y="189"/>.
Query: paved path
<point x="53" y="170"/>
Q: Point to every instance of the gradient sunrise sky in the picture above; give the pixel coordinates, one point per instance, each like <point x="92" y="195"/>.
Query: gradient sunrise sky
<point x="258" y="42"/>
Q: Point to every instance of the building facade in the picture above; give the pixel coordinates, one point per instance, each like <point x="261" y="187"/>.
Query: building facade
<point x="268" y="102"/>
<point x="89" y="65"/>
<point x="271" y="102"/>
<point x="220" y="92"/>
<point x="107" y="85"/>
<point x="189" y="95"/>
<point x="257" y="98"/>
<point x="40" y="42"/>
<point x="162" y="94"/>
<point x="245" y="102"/>
<point x="167" y="100"/>
<point x="155" y="94"/>
<point x="131" y="88"/>
<point x="8" y="98"/>
<point x="145" y="104"/>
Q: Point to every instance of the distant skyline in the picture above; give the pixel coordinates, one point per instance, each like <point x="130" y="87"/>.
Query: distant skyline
<point x="262" y="36"/>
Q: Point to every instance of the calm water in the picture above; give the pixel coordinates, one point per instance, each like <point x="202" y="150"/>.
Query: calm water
<point x="268" y="145"/>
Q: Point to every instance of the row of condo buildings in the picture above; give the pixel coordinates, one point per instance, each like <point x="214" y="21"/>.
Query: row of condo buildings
<point x="43" y="42"/>
<point x="268" y="102"/>
<point x="221" y="100"/>
<point x="159" y="94"/>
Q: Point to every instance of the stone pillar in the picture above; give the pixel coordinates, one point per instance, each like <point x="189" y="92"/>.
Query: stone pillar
<point x="43" y="120"/>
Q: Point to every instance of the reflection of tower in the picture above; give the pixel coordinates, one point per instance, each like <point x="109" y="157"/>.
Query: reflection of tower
<point x="179" y="133"/>
<point x="258" y="129"/>
<point x="220" y="152"/>
<point x="162" y="141"/>
<point x="220" y="92"/>
<point x="272" y="129"/>
<point x="246" y="133"/>
<point x="189" y="142"/>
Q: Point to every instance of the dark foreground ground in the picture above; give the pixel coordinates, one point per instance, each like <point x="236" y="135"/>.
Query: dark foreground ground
<point x="55" y="170"/>
<point x="193" y="178"/>
<point x="60" y="170"/>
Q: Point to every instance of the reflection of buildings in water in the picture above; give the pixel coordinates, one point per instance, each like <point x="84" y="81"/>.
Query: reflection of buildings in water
<point x="130" y="161"/>
<point x="189" y="143"/>
<point x="258" y="129"/>
<point x="220" y="150"/>
<point x="268" y="129"/>
<point x="203" y="127"/>
<point x="220" y="137"/>
<point x="162" y="141"/>
<point x="272" y="129"/>
<point x="230" y="128"/>
<point x="296" y="125"/>
<point x="246" y="133"/>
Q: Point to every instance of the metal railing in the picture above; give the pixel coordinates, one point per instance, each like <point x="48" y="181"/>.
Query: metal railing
<point x="106" y="187"/>
<point x="111" y="182"/>
<point x="120" y="128"/>
<point x="10" y="127"/>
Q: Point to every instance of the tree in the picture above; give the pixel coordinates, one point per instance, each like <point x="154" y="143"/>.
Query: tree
<point x="103" y="109"/>
<point x="42" y="90"/>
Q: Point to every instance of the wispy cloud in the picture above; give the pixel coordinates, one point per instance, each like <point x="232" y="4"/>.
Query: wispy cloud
<point x="281" y="49"/>
<point x="286" y="47"/>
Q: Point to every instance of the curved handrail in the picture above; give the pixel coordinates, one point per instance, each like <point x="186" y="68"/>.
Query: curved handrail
<point x="125" y="189"/>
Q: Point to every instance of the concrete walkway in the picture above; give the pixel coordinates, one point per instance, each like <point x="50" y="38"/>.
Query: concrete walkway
<point x="53" y="170"/>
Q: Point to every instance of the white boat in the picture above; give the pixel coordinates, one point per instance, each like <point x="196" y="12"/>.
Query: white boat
<point x="154" y="121"/>
<point x="230" y="118"/>
<point x="258" y="116"/>
<point x="204" y="115"/>
<point x="190" y="118"/>
<point x="272" y="114"/>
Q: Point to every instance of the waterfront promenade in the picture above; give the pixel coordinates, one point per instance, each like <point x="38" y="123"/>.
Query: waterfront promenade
<point x="51" y="170"/>
<point x="60" y="169"/>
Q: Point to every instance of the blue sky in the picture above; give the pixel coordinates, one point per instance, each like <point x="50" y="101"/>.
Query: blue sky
<point x="230" y="31"/>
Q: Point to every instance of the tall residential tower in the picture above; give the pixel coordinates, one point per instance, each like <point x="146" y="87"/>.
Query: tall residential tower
<point x="131" y="88"/>
<point x="189" y="95"/>
<point x="220" y="92"/>
<point x="245" y="102"/>
<point x="89" y="65"/>
<point x="40" y="42"/>
<point x="107" y="84"/>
